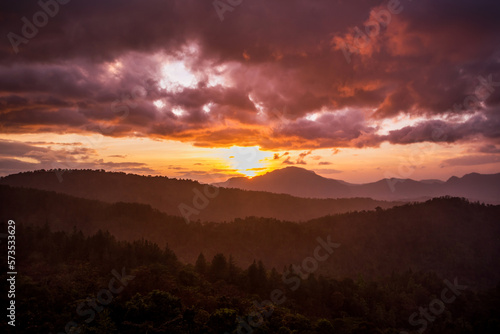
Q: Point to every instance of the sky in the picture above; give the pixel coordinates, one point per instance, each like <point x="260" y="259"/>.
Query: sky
<point x="355" y="90"/>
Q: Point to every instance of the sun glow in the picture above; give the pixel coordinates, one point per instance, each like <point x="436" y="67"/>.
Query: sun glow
<point x="249" y="161"/>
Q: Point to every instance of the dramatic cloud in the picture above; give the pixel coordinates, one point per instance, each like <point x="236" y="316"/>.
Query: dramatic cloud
<point x="283" y="75"/>
<point x="485" y="124"/>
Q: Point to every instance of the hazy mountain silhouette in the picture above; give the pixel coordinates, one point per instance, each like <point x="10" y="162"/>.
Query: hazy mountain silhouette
<point x="304" y="183"/>
<point x="450" y="236"/>
<point x="167" y="195"/>
<point x="294" y="181"/>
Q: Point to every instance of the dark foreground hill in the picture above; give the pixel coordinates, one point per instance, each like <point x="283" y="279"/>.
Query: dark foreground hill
<point x="187" y="198"/>
<point x="450" y="236"/>
<point x="72" y="283"/>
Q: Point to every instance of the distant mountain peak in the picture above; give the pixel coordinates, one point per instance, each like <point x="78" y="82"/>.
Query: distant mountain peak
<point x="292" y="170"/>
<point x="296" y="169"/>
<point x="301" y="182"/>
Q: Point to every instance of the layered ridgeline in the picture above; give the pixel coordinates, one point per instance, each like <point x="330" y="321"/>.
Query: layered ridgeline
<point x="305" y="183"/>
<point x="450" y="236"/>
<point x="187" y="198"/>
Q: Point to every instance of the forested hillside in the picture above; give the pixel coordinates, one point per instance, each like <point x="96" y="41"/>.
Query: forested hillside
<point x="96" y="284"/>
<point x="450" y="236"/>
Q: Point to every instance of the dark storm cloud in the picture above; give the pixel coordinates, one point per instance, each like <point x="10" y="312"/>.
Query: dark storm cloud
<point x="8" y="166"/>
<point x="94" y="68"/>
<point x="329" y="130"/>
<point x="58" y="121"/>
<point x="471" y="160"/>
<point x="487" y="125"/>
<point x="43" y="152"/>
<point x="12" y="148"/>
<point x="489" y="149"/>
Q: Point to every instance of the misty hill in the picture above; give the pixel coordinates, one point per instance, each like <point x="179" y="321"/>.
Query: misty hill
<point x="304" y="183"/>
<point x="450" y="236"/>
<point x="196" y="201"/>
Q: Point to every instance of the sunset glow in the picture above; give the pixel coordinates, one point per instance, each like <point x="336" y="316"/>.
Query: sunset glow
<point x="180" y="102"/>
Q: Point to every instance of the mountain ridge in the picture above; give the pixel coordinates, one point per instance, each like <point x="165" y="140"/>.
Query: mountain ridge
<point x="423" y="236"/>
<point x="305" y="183"/>
<point x="189" y="198"/>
